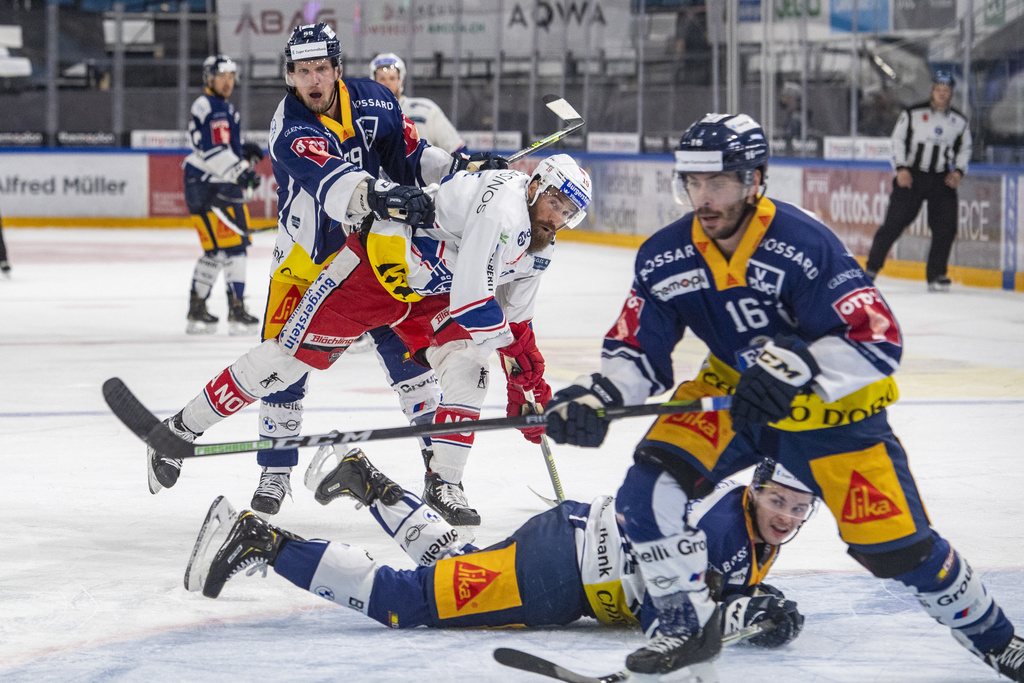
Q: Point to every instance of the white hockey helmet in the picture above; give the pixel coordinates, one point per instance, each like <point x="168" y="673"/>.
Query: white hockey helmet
<point x="388" y="59"/>
<point x="796" y="501"/>
<point x="218" y="64"/>
<point x="561" y="172"/>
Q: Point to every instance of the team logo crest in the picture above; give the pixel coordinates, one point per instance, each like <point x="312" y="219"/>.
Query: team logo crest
<point x="764" y="278"/>
<point x="368" y="125"/>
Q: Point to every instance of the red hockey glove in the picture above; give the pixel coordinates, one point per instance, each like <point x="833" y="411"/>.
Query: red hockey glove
<point x="518" y="405"/>
<point x="522" y="360"/>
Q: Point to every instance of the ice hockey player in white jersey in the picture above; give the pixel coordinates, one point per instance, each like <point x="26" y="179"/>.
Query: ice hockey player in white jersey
<point x="564" y="564"/>
<point x="455" y="289"/>
<point x="388" y="69"/>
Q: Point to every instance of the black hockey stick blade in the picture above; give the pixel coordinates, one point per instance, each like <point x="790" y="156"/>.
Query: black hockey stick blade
<point x="524" y="661"/>
<point x="147" y="427"/>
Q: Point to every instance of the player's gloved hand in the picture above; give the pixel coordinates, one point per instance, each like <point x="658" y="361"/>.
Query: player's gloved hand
<point x="763" y="603"/>
<point x="252" y="153"/>
<point x="478" y="161"/>
<point x="404" y="203"/>
<point x="572" y="413"/>
<point x="520" y="404"/>
<point x="248" y="179"/>
<point x="522" y="360"/>
<point x="766" y="389"/>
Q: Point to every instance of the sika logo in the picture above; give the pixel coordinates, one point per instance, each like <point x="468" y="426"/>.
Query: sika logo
<point x="704" y="425"/>
<point x="865" y="503"/>
<point x="469" y="581"/>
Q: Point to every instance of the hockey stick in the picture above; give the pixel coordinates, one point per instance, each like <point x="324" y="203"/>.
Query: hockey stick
<point x="562" y="110"/>
<point x="147" y="427"/>
<point x="549" y="458"/>
<point x="524" y="661"/>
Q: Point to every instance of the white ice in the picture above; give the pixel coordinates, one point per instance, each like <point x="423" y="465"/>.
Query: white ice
<point x="91" y="564"/>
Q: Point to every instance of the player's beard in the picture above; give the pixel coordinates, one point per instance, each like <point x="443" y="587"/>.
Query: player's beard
<point x="727" y="221"/>
<point x="322" y="105"/>
<point x="542" y="233"/>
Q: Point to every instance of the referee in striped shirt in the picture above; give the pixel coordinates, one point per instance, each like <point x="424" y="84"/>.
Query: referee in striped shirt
<point x="931" y="148"/>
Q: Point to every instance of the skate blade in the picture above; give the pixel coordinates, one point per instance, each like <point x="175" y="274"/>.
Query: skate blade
<point x="704" y="672"/>
<point x="242" y="330"/>
<point x="154" y="483"/>
<point x="219" y="519"/>
<point x="322" y="464"/>
<point x="199" y="327"/>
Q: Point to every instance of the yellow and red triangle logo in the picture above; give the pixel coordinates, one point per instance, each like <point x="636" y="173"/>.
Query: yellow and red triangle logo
<point x="288" y="304"/>
<point x="865" y="503"/>
<point x="470" y="581"/>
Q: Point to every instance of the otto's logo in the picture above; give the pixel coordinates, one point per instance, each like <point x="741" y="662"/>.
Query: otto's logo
<point x="314" y="149"/>
<point x="220" y="131"/>
<point x="865" y="503"/>
<point x="704" y="425"/>
<point x="626" y="327"/>
<point x="469" y="581"/>
<point x="869" y="319"/>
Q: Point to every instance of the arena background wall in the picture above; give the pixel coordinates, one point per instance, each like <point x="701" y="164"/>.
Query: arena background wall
<point x="632" y="199"/>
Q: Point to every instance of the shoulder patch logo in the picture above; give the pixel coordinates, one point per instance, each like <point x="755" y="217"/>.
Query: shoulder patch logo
<point x="869" y="319"/>
<point x="312" y="148"/>
<point x="865" y="503"/>
<point x="469" y="581"/>
<point x="220" y="131"/>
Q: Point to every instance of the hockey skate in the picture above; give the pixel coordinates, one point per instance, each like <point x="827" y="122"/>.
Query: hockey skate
<point x="252" y="545"/>
<point x="361" y="345"/>
<point x="353" y="476"/>
<point x="665" y="654"/>
<point x="940" y="284"/>
<point x="449" y="501"/>
<point x="200" y="321"/>
<point x="1009" y="662"/>
<point x="162" y="470"/>
<point x="270" y="492"/>
<point x="219" y="519"/>
<point x="239" y="321"/>
<point x="5" y="269"/>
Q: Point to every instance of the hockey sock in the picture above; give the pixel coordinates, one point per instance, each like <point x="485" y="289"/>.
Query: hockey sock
<point x="279" y="420"/>
<point x="678" y="590"/>
<point x="205" y="274"/>
<point x="952" y="593"/>
<point x="234" y="274"/>
<point x="422" y="533"/>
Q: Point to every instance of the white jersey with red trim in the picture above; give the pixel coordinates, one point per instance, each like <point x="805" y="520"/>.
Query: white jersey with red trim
<point x="476" y="252"/>
<point x="431" y="123"/>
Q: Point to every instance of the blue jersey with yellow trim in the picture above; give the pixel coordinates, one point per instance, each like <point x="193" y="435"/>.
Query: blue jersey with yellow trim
<point x="790" y="275"/>
<point x="215" y="136"/>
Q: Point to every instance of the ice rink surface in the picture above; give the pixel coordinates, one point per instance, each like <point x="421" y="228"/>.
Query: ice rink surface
<point x="91" y="564"/>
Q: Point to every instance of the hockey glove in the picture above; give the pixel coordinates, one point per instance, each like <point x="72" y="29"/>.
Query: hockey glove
<point x="479" y="161"/>
<point x="519" y="404"/>
<point x="404" y="203"/>
<point x="522" y="360"/>
<point x="766" y="390"/>
<point x="763" y="603"/>
<point x="252" y="153"/>
<point x="248" y="179"/>
<point x="572" y="412"/>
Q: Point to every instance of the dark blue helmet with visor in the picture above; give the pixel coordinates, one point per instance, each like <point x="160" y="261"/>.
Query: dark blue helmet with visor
<point x="721" y="143"/>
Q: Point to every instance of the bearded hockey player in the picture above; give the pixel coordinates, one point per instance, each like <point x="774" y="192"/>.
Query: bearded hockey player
<point x="806" y="345"/>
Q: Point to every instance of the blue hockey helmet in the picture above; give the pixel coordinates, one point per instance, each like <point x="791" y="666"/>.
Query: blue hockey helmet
<point x="724" y="142"/>
<point x="944" y="76"/>
<point x="793" y="500"/>
<point x="312" y="41"/>
<point x="218" y="64"/>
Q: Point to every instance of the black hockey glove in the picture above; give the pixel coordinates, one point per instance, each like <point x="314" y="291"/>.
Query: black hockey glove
<point x="478" y="161"/>
<point x="248" y="179"/>
<point x="404" y="203"/>
<point x="766" y="390"/>
<point x="572" y="412"/>
<point x="763" y="604"/>
<point x="252" y="153"/>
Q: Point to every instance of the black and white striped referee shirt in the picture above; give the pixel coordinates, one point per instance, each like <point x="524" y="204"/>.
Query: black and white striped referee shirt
<point x="931" y="141"/>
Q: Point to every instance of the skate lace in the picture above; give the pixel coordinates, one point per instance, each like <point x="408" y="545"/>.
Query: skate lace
<point x="663" y="644"/>
<point x="250" y="566"/>
<point x="274" y="485"/>
<point x="452" y="496"/>
<point x="1013" y="656"/>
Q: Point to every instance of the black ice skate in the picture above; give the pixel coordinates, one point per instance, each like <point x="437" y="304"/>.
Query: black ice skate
<point x="449" y="501"/>
<point x="200" y="321"/>
<point x="1009" y="662"/>
<point x="5" y="269"/>
<point x="940" y="284"/>
<point x="271" y="490"/>
<point x="239" y="320"/>
<point x="252" y="544"/>
<point x="671" y="653"/>
<point x="355" y="477"/>
<point x="162" y="470"/>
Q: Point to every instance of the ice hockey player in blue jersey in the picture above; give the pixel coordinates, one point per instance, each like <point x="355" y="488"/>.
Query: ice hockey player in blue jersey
<point x="806" y="345"/>
<point x="564" y="564"/>
<point x="219" y="179"/>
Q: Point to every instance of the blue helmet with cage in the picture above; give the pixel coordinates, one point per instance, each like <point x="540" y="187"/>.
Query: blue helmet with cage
<point x="217" y="64"/>
<point x="944" y="76"/>
<point x="312" y="41"/>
